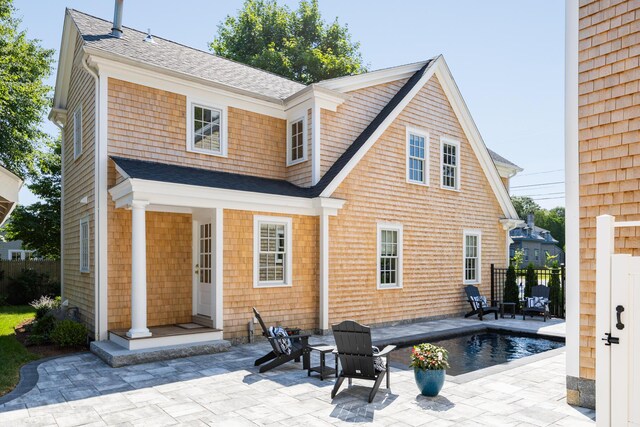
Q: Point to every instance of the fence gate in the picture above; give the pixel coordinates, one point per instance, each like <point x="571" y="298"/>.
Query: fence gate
<point x="617" y="330"/>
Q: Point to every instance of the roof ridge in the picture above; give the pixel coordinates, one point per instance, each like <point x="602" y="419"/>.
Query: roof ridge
<point x="192" y="48"/>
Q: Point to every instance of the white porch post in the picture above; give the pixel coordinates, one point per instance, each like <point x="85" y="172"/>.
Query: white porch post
<point x="324" y="271"/>
<point x="138" y="271"/>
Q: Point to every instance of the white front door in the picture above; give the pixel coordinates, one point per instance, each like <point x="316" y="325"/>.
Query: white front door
<point x="625" y="341"/>
<point x="204" y="270"/>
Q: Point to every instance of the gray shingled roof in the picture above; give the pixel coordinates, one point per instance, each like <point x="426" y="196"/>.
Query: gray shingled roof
<point x="183" y="59"/>
<point x="497" y="158"/>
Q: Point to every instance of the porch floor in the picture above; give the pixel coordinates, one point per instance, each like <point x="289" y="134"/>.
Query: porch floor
<point x="164" y="331"/>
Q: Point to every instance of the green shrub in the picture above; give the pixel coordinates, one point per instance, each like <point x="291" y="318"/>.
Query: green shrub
<point x="44" y="326"/>
<point x="511" y="291"/>
<point x="45" y="304"/>
<point x="35" y="339"/>
<point x="555" y="291"/>
<point x="531" y="280"/>
<point x="68" y="333"/>
<point x="30" y="285"/>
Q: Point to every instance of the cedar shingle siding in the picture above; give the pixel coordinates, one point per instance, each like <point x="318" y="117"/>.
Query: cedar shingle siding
<point x="609" y="133"/>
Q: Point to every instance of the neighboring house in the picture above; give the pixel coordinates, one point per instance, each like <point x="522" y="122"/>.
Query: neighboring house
<point x="13" y="250"/>
<point x="195" y="188"/>
<point x="535" y="243"/>
<point x="10" y="186"/>
<point x="602" y="171"/>
<point x="506" y="168"/>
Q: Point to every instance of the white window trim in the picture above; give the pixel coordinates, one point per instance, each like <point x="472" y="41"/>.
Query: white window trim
<point x="257" y="220"/>
<point x="191" y="104"/>
<point x="87" y="269"/>
<point x="23" y="253"/>
<point x="425" y="135"/>
<point x="478" y="279"/>
<point x="399" y="228"/>
<point x="304" y="139"/>
<point x="449" y="141"/>
<point x="77" y="139"/>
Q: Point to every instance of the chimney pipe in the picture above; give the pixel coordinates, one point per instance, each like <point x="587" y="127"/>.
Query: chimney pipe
<point x="116" y="31"/>
<point x="530" y="221"/>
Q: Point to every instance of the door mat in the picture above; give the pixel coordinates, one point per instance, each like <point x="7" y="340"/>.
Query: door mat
<point x="189" y="325"/>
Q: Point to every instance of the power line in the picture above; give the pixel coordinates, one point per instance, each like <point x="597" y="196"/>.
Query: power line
<point x="539" y="173"/>
<point x="549" y="198"/>
<point x="538" y="185"/>
<point x="543" y="194"/>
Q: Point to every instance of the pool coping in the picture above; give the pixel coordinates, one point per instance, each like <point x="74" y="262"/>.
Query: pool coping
<point x="407" y="340"/>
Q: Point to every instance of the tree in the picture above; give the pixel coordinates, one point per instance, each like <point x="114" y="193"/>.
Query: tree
<point x="555" y="291"/>
<point x="531" y="280"/>
<point x="24" y="65"/>
<point x="524" y="206"/>
<point x="298" y="44"/>
<point x="38" y="225"/>
<point x="511" y="291"/>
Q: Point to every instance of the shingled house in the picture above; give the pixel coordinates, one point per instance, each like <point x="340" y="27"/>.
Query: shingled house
<point x="195" y="187"/>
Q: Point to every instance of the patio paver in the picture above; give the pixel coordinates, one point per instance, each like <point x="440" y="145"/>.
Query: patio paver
<point x="225" y="389"/>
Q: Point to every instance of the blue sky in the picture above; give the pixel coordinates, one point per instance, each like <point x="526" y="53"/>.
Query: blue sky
<point x="506" y="56"/>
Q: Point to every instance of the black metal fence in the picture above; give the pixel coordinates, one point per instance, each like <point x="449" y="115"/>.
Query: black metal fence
<point x="499" y="277"/>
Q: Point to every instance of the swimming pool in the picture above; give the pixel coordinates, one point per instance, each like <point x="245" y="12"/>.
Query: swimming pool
<point x="478" y="350"/>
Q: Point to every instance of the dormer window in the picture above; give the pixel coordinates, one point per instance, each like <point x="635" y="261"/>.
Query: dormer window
<point x="296" y="141"/>
<point x="206" y="130"/>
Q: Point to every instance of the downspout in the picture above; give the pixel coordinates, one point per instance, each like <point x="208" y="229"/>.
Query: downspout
<point x="96" y="216"/>
<point x="61" y="127"/>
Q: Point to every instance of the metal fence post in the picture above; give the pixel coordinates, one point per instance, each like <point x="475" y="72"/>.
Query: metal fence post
<point x="493" y="283"/>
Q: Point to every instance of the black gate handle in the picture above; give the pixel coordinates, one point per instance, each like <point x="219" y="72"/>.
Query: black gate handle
<point x="619" y="310"/>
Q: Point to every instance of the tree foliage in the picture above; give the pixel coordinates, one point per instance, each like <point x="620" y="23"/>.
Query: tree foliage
<point x="24" y="65"/>
<point x="38" y="225"/>
<point x="297" y="44"/>
<point x="555" y="290"/>
<point x="531" y="280"/>
<point x="511" y="291"/>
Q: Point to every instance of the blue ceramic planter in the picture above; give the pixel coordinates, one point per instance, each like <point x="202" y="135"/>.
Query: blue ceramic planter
<point x="429" y="382"/>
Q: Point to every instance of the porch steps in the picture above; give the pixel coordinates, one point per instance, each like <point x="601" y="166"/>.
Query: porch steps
<point x="202" y="320"/>
<point x="117" y="356"/>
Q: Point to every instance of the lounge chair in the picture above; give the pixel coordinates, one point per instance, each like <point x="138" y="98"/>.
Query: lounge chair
<point x="538" y="303"/>
<point x="479" y="304"/>
<point x="298" y="347"/>
<point x="357" y="357"/>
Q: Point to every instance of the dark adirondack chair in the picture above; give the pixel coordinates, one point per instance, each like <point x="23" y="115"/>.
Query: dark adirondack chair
<point x="353" y="342"/>
<point x="540" y="292"/>
<point x="299" y="348"/>
<point x="476" y="308"/>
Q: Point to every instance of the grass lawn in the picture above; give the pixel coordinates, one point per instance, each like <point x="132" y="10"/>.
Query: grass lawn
<point x="12" y="354"/>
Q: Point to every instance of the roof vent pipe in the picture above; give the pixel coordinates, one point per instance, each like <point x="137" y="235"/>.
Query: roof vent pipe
<point x="116" y="31"/>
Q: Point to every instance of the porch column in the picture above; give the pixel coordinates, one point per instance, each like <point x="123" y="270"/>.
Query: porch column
<point x="138" y="271"/>
<point x="324" y="271"/>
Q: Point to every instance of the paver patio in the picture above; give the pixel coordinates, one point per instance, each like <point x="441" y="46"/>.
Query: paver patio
<point x="225" y="389"/>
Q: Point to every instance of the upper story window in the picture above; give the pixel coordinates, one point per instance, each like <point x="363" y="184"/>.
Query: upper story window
<point x="206" y="130"/>
<point x="536" y="254"/>
<point x="84" y="245"/>
<point x="450" y="164"/>
<point x="296" y="141"/>
<point x="389" y="256"/>
<point x="417" y="157"/>
<point x="77" y="132"/>
<point x="272" y="251"/>
<point x="471" y="256"/>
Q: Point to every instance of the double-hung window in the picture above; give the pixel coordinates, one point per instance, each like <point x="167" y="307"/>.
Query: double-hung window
<point x="77" y="132"/>
<point x="296" y="141"/>
<point x="417" y="157"/>
<point x="272" y="251"/>
<point x="206" y="130"/>
<point x="471" y="249"/>
<point x="389" y="255"/>
<point x="84" y="245"/>
<point x="450" y="164"/>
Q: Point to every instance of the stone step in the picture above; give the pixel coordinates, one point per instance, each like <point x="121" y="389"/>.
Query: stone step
<point x="117" y="356"/>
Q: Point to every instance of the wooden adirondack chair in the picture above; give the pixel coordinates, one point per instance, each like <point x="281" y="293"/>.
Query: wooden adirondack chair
<point x="353" y="342"/>
<point x="540" y="292"/>
<point x="299" y="348"/>
<point x="476" y="308"/>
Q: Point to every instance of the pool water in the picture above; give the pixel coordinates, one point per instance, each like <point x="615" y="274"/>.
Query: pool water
<point x="468" y="353"/>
